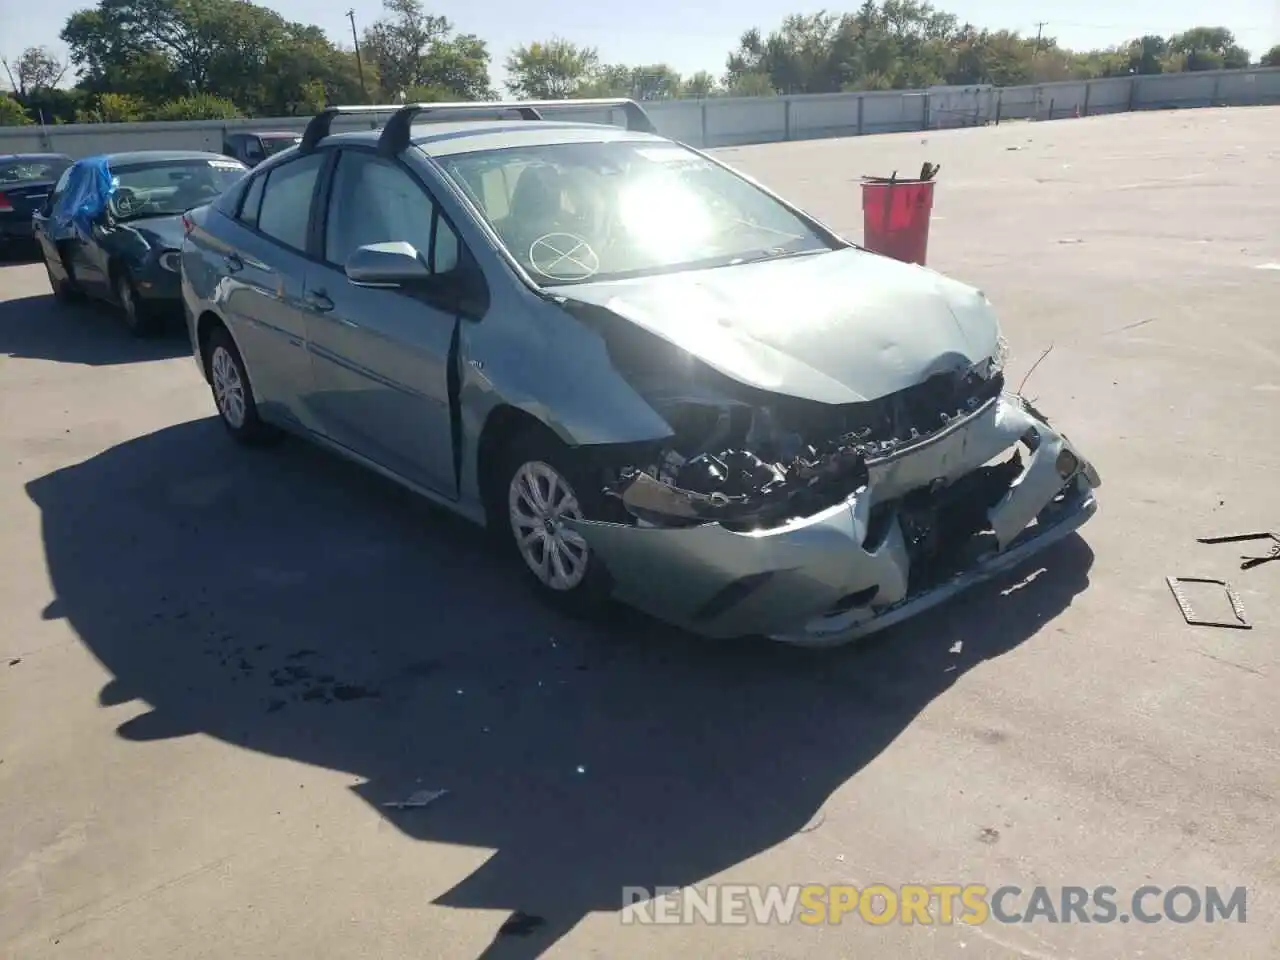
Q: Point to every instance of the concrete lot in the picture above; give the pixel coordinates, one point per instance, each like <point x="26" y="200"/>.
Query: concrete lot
<point x="192" y="763"/>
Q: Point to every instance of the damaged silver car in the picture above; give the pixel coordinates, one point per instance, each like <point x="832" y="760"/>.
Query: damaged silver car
<point x="653" y="378"/>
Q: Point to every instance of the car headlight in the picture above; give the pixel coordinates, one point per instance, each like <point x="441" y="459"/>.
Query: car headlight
<point x="171" y="260"/>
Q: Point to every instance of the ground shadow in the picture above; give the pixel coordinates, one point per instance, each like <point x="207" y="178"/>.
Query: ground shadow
<point x="289" y="603"/>
<point x="40" y="328"/>
<point x="19" y="252"/>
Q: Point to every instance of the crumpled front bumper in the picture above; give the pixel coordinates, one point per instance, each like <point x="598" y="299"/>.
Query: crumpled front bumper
<point x="786" y="582"/>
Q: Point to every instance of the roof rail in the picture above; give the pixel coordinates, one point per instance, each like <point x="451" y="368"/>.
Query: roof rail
<point x="397" y="133"/>
<point x="318" y="126"/>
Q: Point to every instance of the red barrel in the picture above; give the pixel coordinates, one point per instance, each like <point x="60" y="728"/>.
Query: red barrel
<point x="895" y="217"/>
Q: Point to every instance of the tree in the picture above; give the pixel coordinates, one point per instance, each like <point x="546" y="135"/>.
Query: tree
<point x="37" y="68"/>
<point x="199" y="106"/>
<point x="550" y="70"/>
<point x="700" y="85"/>
<point x="1271" y="58"/>
<point x="11" y="112"/>
<point x="1206" y="48"/>
<point x="114" y="108"/>
<point x="653" y="82"/>
<point x="749" y="84"/>
<point x="414" y="49"/>
<point x="163" y="50"/>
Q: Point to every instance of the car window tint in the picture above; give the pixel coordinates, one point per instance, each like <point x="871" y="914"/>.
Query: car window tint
<point x="252" y="201"/>
<point x="286" y="200"/>
<point x="375" y="201"/>
<point x="445" y="247"/>
<point x="60" y="187"/>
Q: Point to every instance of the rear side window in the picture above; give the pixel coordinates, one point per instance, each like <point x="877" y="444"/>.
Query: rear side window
<point x="252" y="202"/>
<point x="285" y="207"/>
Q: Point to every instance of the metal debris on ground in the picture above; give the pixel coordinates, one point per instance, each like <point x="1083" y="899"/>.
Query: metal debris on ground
<point x="1249" y="562"/>
<point x="1189" y="614"/>
<point x="419" y="798"/>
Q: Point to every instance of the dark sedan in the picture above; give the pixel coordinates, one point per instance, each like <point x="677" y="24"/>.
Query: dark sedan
<point x="26" y="180"/>
<point x="112" y="227"/>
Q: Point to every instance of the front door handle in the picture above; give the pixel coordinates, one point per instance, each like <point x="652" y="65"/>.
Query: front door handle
<point x="319" y="301"/>
<point x="233" y="263"/>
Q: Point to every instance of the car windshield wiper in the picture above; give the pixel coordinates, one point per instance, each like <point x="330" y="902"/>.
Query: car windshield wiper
<point x="776" y="253"/>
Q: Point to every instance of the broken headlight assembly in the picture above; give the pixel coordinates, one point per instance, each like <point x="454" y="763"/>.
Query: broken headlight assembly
<point x="994" y="364"/>
<point x="743" y="470"/>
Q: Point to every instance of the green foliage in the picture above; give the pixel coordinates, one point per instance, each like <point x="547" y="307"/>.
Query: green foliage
<point x="113" y="108"/>
<point x="12" y="113"/>
<point x="904" y="44"/>
<point x="198" y="106"/>
<point x="187" y="59"/>
<point x="1271" y="58"/>
<point x="411" y="48"/>
<point x="551" y="69"/>
<point x="162" y="51"/>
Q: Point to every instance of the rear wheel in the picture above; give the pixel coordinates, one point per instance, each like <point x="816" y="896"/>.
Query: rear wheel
<point x="542" y="485"/>
<point x="232" y="393"/>
<point x="139" y="316"/>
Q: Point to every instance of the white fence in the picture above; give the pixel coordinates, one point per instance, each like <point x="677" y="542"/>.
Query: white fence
<point x="734" y="121"/>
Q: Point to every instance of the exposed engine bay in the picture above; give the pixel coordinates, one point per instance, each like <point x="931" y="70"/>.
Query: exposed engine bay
<point x="755" y="466"/>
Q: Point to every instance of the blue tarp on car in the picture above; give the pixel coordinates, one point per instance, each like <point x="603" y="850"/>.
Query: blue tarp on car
<point x="90" y="187"/>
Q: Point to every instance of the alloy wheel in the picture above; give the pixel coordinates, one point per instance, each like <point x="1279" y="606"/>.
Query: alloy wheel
<point x="228" y="387"/>
<point x="539" y="500"/>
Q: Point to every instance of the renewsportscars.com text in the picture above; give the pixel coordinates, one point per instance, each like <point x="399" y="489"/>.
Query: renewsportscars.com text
<point x="929" y="904"/>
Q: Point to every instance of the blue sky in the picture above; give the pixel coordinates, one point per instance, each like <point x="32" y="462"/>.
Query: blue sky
<point x="692" y="38"/>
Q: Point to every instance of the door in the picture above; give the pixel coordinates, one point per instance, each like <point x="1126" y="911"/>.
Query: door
<point x="44" y="227"/>
<point x="263" y="272"/>
<point x="380" y="358"/>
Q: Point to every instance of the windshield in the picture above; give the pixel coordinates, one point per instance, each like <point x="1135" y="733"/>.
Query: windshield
<point x="575" y="212"/>
<point x="170" y="187"/>
<point x="274" y="145"/>
<point x="23" y="170"/>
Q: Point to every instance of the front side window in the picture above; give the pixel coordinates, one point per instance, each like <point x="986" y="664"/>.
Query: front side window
<point x="285" y="208"/>
<point x="374" y="200"/>
<point x="574" y="212"/>
<point x="170" y="187"/>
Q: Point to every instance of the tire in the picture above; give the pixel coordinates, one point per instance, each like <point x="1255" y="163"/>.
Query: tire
<point x="64" y="291"/>
<point x="139" y="317"/>
<point x="557" y="562"/>
<point x="232" y="392"/>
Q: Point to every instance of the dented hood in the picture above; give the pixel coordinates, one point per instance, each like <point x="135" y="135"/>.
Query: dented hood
<point x="838" y="327"/>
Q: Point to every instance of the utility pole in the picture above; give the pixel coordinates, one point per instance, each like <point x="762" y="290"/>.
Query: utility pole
<point x="351" y="15"/>
<point x="1039" y="30"/>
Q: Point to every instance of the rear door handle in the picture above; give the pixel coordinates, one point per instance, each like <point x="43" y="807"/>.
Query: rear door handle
<point x="319" y="301"/>
<point x="233" y="263"/>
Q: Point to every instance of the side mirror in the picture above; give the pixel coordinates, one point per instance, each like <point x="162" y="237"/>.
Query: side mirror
<point x="394" y="264"/>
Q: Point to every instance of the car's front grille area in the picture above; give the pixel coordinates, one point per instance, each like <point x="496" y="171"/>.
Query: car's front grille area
<point x="919" y="410"/>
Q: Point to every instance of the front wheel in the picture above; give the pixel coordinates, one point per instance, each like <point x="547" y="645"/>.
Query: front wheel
<point x="543" y="487"/>
<point x="139" y="316"/>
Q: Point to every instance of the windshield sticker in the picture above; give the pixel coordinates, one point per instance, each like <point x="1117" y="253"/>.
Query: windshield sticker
<point x="225" y="165"/>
